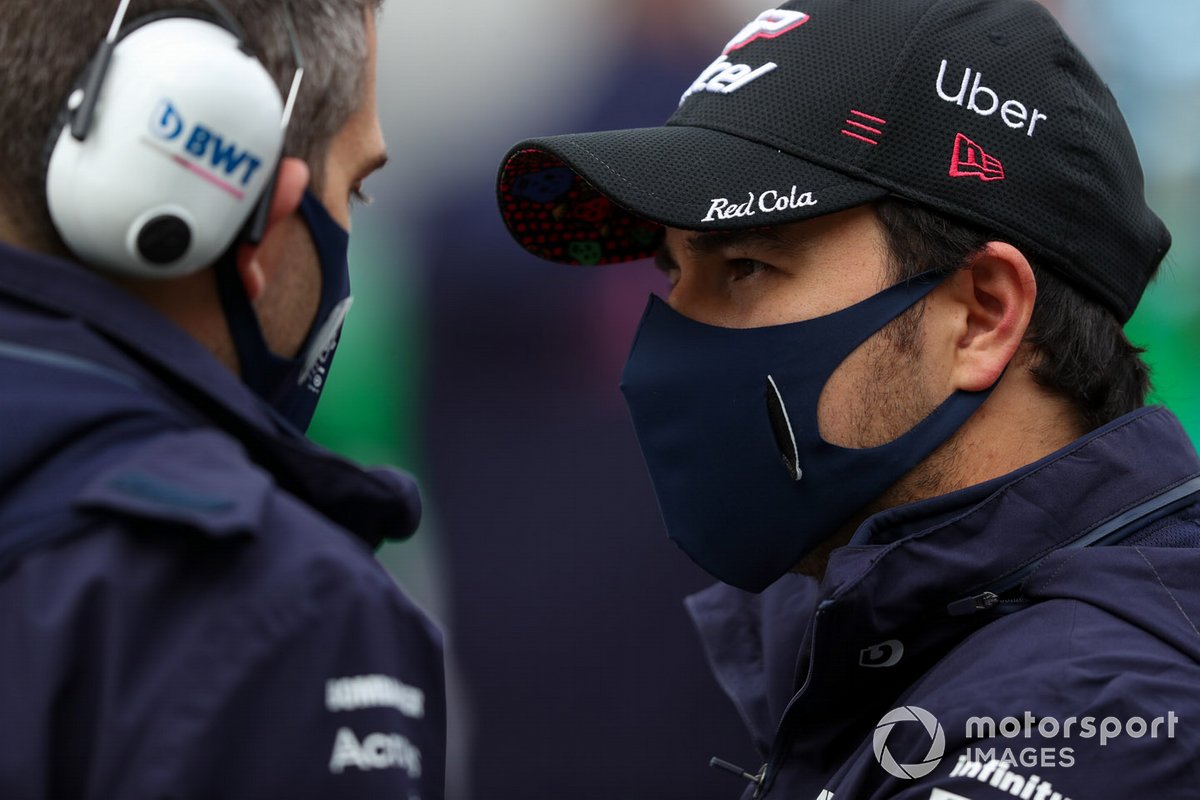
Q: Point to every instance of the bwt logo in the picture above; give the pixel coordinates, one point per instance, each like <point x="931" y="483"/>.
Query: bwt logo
<point x="204" y="144"/>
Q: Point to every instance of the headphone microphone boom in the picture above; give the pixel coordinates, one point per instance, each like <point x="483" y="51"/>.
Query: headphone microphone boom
<point x="169" y="145"/>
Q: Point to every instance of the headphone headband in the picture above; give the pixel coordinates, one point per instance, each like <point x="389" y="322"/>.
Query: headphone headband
<point x="84" y="105"/>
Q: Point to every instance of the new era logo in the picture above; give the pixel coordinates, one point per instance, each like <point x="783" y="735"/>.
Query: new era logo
<point x="970" y="161"/>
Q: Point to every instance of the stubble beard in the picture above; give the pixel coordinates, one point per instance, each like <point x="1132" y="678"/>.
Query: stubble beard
<point x="899" y="401"/>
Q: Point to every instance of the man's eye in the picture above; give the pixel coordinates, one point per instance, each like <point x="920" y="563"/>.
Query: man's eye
<point x="745" y="267"/>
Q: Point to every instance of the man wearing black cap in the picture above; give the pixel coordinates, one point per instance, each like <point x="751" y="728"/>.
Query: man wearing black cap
<point x="890" y="403"/>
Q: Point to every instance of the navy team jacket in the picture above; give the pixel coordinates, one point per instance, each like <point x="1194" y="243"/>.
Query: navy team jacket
<point x="1036" y="637"/>
<point x="189" y="604"/>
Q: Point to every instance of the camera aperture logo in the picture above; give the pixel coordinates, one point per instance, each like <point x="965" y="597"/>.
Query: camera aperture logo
<point x="903" y="716"/>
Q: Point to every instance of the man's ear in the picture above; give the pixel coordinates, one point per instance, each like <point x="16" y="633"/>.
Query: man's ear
<point x="993" y="297"/>
<point x="290" y="184"/>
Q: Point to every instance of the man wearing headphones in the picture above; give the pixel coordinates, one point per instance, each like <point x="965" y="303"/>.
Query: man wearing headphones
<point x="190" y="604"/>
<point x="889" y="402"/>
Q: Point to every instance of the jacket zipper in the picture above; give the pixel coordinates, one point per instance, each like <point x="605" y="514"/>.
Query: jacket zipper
<point x="996" y="597"/>
<point x="771" y="768"/>
<point x="756" y="780"/>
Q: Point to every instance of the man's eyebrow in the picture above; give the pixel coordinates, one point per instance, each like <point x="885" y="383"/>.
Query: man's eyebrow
<point x="771" y="239"/>
<point x="703" y="244"/>
<point x="714" y="241"/>
<point x="374" y="164"/>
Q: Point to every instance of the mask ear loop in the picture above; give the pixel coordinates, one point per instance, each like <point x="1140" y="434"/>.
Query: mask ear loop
<point x="258" y="222"/>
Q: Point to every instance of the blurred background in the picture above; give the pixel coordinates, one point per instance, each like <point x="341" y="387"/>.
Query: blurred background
<point x="493" y="376"/>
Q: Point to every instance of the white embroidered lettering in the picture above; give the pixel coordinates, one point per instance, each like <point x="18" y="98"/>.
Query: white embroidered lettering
<point x="977" y="90"/>
<point x="723" y="77"/>
<point x="727" y="77"/>
<point x="377" y="751"/>
<point x="723" y="208"/>
<point x="1014" y="114"/>
<point x="374" y="691"/>
<point x="749" y="76"/>
<point x="1033" y="122"/>
<point x="718" y="205"/>
<point x="985" y="101"/>
<point x="962" y="90"/>
<point x="769" y="24"/>
<point x="770" y="202"/>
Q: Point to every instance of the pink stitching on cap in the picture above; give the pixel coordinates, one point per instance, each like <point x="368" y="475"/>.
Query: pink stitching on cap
<point x="765" y="34"/>
<point x="860" y="138"/>
<point x="971" y="161"/>
<point x="868" y="116"/>
<point x="864" y="127"/>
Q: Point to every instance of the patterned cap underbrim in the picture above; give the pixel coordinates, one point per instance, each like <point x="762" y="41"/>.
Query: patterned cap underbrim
<point x="557" y="215"/>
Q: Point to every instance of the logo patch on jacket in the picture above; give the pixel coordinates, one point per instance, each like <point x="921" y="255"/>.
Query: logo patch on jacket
<point x="375" y="752"/>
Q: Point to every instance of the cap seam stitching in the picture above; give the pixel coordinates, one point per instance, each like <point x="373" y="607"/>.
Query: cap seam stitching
<point x="1070" y="219"/>
<point x="901" y="59"/>
<point x="619" y="175"/>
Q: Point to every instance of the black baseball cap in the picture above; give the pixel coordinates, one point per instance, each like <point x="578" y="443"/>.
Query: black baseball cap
<point x="982" y="109"/>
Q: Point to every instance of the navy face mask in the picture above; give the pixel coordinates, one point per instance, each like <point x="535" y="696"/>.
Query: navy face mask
<point x="292" y="386"/>
<point x="727" y="422"/>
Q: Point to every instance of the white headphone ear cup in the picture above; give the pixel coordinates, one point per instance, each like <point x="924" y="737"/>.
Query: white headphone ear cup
<point x="186" y="135"/>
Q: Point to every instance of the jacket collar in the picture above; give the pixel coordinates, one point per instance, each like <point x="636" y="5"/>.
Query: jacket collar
<point x="68" y="290"/>
<point x="89" y="318"/>
<point x="887" y="594"/>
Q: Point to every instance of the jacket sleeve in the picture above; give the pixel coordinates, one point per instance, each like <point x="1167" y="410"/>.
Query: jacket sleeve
<point x="205" y="634"/>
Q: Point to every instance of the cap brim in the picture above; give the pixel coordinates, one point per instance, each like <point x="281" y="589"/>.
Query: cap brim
<point x="599" y="198"/>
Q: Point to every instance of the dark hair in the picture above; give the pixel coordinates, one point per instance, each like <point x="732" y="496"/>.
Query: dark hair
<point x="46" y="44"/>
<point x="1080" y="349"/>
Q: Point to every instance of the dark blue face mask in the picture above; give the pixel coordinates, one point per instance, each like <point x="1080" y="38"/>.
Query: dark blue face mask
<point x="292" y="386"/>
<point x="727" y="422"/>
